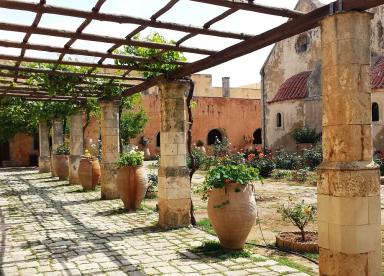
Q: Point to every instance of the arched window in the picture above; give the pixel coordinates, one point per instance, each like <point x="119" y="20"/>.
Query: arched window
<point x="279" y="120"/>
<point x="375" y="112"/>
<point x="158" y="140"/>
<point x="302" y="43"/>
<point x="214" y="135"/>
<point x="257" y="140"/>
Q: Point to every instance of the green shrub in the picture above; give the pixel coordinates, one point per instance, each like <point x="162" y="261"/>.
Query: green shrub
<point x="264" y="165"/>
<point x="131" y="158"/>
<point x="153" y="181"/>
<point x="280" y="174"/>
<point x="299" y="214"/>
<point x="300" y="175"/>
<point x="199" y="143"/>
<point x="287" y="161"/>
<point x="313" y="157"/>
<point x="63" y="149"/>
<point x="222" y="175"/>
<point x="306" y="135"/>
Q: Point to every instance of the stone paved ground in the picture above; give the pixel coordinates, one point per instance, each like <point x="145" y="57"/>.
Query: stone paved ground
<point x="50" y="228"/>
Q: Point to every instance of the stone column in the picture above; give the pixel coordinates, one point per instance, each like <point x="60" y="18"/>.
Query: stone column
<point x="348" y="180"/>
<point x="57" y="140"/>
<point x="110" y="147"/>
<point x="76" y="146"/>
<point x="174" y="190"/>
<point x="44" y="156"/>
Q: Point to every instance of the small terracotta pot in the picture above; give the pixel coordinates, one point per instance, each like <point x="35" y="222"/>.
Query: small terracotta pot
<point x="61" y="166"/>
<point x="132" y="184"/>
<point x="232" y="213"/>
<point x="89" y="173"/>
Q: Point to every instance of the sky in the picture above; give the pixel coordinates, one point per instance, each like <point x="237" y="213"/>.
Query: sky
<point x="242" y="71"/>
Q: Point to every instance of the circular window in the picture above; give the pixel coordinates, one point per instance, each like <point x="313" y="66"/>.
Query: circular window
<point x="302" y="43"/>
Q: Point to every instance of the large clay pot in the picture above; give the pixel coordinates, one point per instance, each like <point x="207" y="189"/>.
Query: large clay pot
<point x="132" y="184"/>
<point x="89" y="173"/>
<point x="232" y="213"/>
<point x="61" y="166"/>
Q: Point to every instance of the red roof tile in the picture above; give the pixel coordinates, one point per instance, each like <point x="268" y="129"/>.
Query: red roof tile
<point x="293" y="88"/>
<point x="377" y="74"/>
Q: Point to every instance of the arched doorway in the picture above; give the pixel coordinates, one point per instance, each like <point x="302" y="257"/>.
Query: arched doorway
<point x="375" y="112"/>
<point x="4" y="152"/>
<point x="257" y="139"/>
<point x="158" y="140"/>
<point x="214" y="135"/>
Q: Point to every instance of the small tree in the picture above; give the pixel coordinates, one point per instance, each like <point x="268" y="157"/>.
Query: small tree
<point x="299" y="214"/>
<point x="306" y="135"/>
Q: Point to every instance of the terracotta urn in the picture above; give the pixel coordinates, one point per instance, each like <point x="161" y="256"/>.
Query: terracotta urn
<point x="132" y="184"/>
<point x="202" y="149"/>
<point x="61" y="166"/>
<point x="232" y="213"/>
<point x="147" y="153"/>
<point x="89" y="173"/>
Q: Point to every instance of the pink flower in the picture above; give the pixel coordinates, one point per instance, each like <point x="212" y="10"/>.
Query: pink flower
<point x="261" y="155"/>
<point x="251" y="157"/>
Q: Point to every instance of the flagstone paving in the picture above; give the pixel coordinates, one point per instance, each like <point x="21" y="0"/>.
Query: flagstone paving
<point x="50" y="228"/>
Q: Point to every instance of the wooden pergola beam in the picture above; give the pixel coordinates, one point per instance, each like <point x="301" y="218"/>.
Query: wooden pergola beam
<point x="33" y="7"/>
<point x="99" y="38"/>
<point x="249" y="6"/>
<point x="59" y="72"/>
<point x="286" y="30"/>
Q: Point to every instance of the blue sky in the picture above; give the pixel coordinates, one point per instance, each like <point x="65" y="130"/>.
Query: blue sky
<point x="242" y="71"/>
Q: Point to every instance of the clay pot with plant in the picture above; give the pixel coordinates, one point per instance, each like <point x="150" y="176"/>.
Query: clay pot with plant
<point x="89" y="171"/>
<point x="300" y="215"/>
<point x="61" y="162"/>
<point x="131" y="179"/>
<point x="200" y="146"/>
<point x="231" y="203"/>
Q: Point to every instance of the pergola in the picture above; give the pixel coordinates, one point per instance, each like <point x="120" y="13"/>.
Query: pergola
<point x="348" y="187"/>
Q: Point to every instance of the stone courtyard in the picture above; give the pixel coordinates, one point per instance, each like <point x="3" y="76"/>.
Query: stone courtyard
<point x="51" y="228"/>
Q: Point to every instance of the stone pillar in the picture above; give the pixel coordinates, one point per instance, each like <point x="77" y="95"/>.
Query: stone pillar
<point x="76" y="146"/>
<point x="174" y="190"/>
<point x="110" y="147"/>
<point x="348" y="180"/>
<point x="57" y="140"/>
<point x="44" y="156"/>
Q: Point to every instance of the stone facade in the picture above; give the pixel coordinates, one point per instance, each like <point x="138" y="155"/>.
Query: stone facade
<point x="45" y="153"/>
<point x="348" y="186"/>
<point x="110" y="148"/>
<point x="76" y="146"/>
<point x="174" y="189"/>
<point x="293" y="56"/>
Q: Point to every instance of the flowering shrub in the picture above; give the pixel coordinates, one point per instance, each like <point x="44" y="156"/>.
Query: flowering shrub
<point x="221" y="148"/>
<point x="379" y="160"/>
<point x="306" y="135"/>
<point x="288" y="161"/>
<point x="313" y="157"/>
<point x="299" y="214"/>
<point x="152" y="181"/>
<point x="262" y="160"/>
<point x="131" y="158"/>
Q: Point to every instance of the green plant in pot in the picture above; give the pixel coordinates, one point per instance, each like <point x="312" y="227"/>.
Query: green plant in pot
<point x="231" y="202"/>
<point x="61" y="162"/>
<point x="131" y="179"/>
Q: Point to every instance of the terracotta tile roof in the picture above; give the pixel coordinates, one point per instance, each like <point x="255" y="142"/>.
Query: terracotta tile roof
<point x="293" y="88"/>
<point x="377" y="74"/>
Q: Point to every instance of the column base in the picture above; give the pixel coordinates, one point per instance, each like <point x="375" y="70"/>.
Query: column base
<point x="74" y="161"/>
<point x="336" y="263"/>
<point x="174" y="192"/>
<point x="44" y="164"/>
<point x="108" y="181"/>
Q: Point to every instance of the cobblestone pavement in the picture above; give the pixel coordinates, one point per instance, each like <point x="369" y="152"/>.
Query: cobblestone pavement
<point x="50" y="228"/>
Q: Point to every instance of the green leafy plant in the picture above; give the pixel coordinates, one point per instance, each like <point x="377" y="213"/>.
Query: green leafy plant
<point x="305" y="135"/>
<point x="222" y="175"/>
<point x="153" y="181"/>
<point x="199" y="143"/>
<point x="221" y="148"/>
<point x="288" y="161"/>
<point x="300" y="175"/>
<point x="62" y="149"/>
<point x="264" y="165"/>
<point x="131" y="158"/>
<point x="132" y="123"/>
<point x="313" y="157"/>
<point x="299" y="214"/>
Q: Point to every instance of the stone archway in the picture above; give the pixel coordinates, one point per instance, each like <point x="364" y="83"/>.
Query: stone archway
<point x="257" y="138"/>
<point x="213" y="135"/>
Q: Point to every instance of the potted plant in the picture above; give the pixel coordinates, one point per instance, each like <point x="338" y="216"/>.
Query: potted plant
<point x="144" y="141"/>
<point x="131" y="179"/>
<point x="89" y="171"/>
<point x="200" y="146"/>
<point x="299" y="214"/>
<point x="61" y="162"/>
<point x="231" y="203"/>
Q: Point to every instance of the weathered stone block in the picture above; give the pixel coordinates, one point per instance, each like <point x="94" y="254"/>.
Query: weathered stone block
<point x="44" y="164"/>
<point x="174" y="213"/>
<point x="74" y="162"/>
<point x="108" y="181"/>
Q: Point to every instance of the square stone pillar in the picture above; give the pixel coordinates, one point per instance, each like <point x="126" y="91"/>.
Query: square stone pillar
<point x="57" y="140"/>
<point x="76" y="146"/>
<point x="44" y="155"/>
<point x="174" y="189"/>
<point x="110" y="147"/>
<point x="348" y="179"/>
